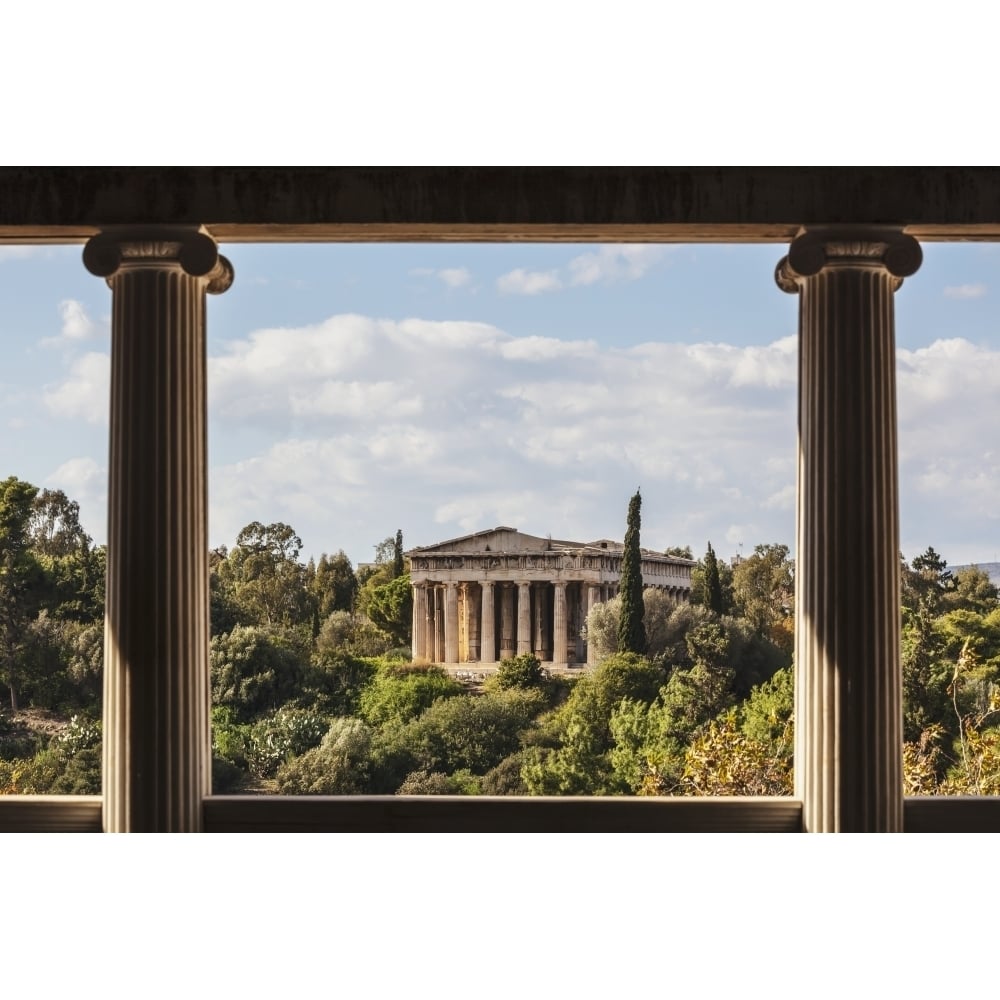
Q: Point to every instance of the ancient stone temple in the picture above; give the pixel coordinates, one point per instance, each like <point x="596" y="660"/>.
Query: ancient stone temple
<point x="499" y="593"/>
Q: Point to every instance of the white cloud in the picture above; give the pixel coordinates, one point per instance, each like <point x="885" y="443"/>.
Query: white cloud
<point x="455" y="277"/>
<point x="441" y="428"/>
<point x="614" y="262"/>
<point x="521" y="282"/>
<point x="965" y="291"/>
<point x="448" y="427"/>
<point x="76" y="325"/>
<point x="84" y="394"/>
<point x="19" y="252"/>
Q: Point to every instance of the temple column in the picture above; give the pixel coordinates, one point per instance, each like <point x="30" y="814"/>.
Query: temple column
<point x="487" y="645"/>
<point x="541" y="644"/>
<point x="593" y="598"/>
<point x="848" y="753"/>
<point x="429" y="632"/>
<point x="472" y="623"/>
<point x="157" y="744"/>
<point x="523" y="618"/>
<point x="451" y="623"/>
<point x="508" y="635"/>
<point x="559" y="650"/>
<point x="419" y="647"/>
<point x="439" y="624"/>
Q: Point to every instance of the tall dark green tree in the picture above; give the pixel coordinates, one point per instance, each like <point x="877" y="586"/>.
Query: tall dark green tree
<point x="713" y="583"/>
<point x="397" y="554"/>
<point x="631" y="624"/>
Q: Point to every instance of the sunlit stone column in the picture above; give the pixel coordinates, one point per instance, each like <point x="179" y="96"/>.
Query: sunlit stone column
<point x="472" y="606"/>
<point x="559" y="649"/>
<point x="541" y="644"/>
<point x="439" y="624"/>
<point x="157" y="748"/>
<point x="508" y="638"/>
<point x="488" y="637"/>
<point x="523" y="618"/>
<point x="848" y="754"/>
<point x="419" y="648"/>
<point x="593" y="599"/>
<point x="451" y="623"/>
<point x="429" y="630"/>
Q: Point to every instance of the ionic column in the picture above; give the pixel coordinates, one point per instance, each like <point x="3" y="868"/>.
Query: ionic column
<point x="523" y="618"/>
<point x="593" y="598"/>
<point x="488" y="641"/>
<point x="848" y="754"/>
<point x="419" y="649"/>
<point x="451" y="623"/>
<point x="157" y="747"/>
<point x="559" y="649"/>
<point x="508" y="636"/>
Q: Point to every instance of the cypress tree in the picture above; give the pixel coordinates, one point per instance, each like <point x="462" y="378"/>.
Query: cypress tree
<point x="397" y="554"/>
<point x="713" y="585"/>
<point x="631" y="627"/>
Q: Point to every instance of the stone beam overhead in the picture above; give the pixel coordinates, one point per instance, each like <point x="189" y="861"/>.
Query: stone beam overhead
<point x="670" y="204"/>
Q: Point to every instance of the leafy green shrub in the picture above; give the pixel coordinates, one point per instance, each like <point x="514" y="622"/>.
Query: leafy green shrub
<point x="277" y="738"/>
<point x="468" y="732"/>
<point x="229" y="736"/>
<point x="333" y="683"/>
<point x="505" y="778"/>
<point x="16" y="741"/>
<point x="524" y="671"/>
<point x="255" y="670"/>
<point x="338" y="766"/>
<point x="437" y="783"/>
<point x="399" y="693"/>
<point x="80" y="734"/>
<point x="225" y="775"/>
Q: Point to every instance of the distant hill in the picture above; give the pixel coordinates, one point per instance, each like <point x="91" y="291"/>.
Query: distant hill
<point x="991" y="568"/>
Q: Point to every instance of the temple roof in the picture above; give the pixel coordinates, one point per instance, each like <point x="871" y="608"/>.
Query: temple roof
<point x="507" y="540"/>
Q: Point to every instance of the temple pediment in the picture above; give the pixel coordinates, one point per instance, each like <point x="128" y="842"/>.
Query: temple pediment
<point x="501" y="539"/>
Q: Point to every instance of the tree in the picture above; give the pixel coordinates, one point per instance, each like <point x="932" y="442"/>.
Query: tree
<point x="54" y="525"/>
<point x="18" y="571"/>
<point x="713" y="583"/>
<point x="631" y="628"/>
<point x="333" y="586"/>
<point x="390" y="608"/>
<point x="253" y="671"/>
<point x="763" y="588"/>
<point x="604" y="618"/>
<point x="397" y="554"/>
<point x="263" y="577"/>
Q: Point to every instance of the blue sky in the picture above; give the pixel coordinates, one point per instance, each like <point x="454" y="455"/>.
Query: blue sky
<point x="441" y="389"/>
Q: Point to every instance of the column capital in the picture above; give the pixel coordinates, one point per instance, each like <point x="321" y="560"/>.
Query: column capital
<point x="117" y="249"/>
<point x="864" y="247"/>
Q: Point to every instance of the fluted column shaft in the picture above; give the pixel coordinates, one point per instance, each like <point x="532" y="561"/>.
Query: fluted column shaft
<point x="848" y="707"/>
<point x="541" y="643"/>
<point x="488" y="633"/>
<point x="593" y="599"/>
<point x="523" y="618"/>
<point x="419" y="649"/>
<point x="508" y="635"/>
<point x="559" y="647"/>
<point x="451" y="623"/>
<point x="439" y="624"/>
<point x="157" y="747"/>
<point x="472" y="608"/>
